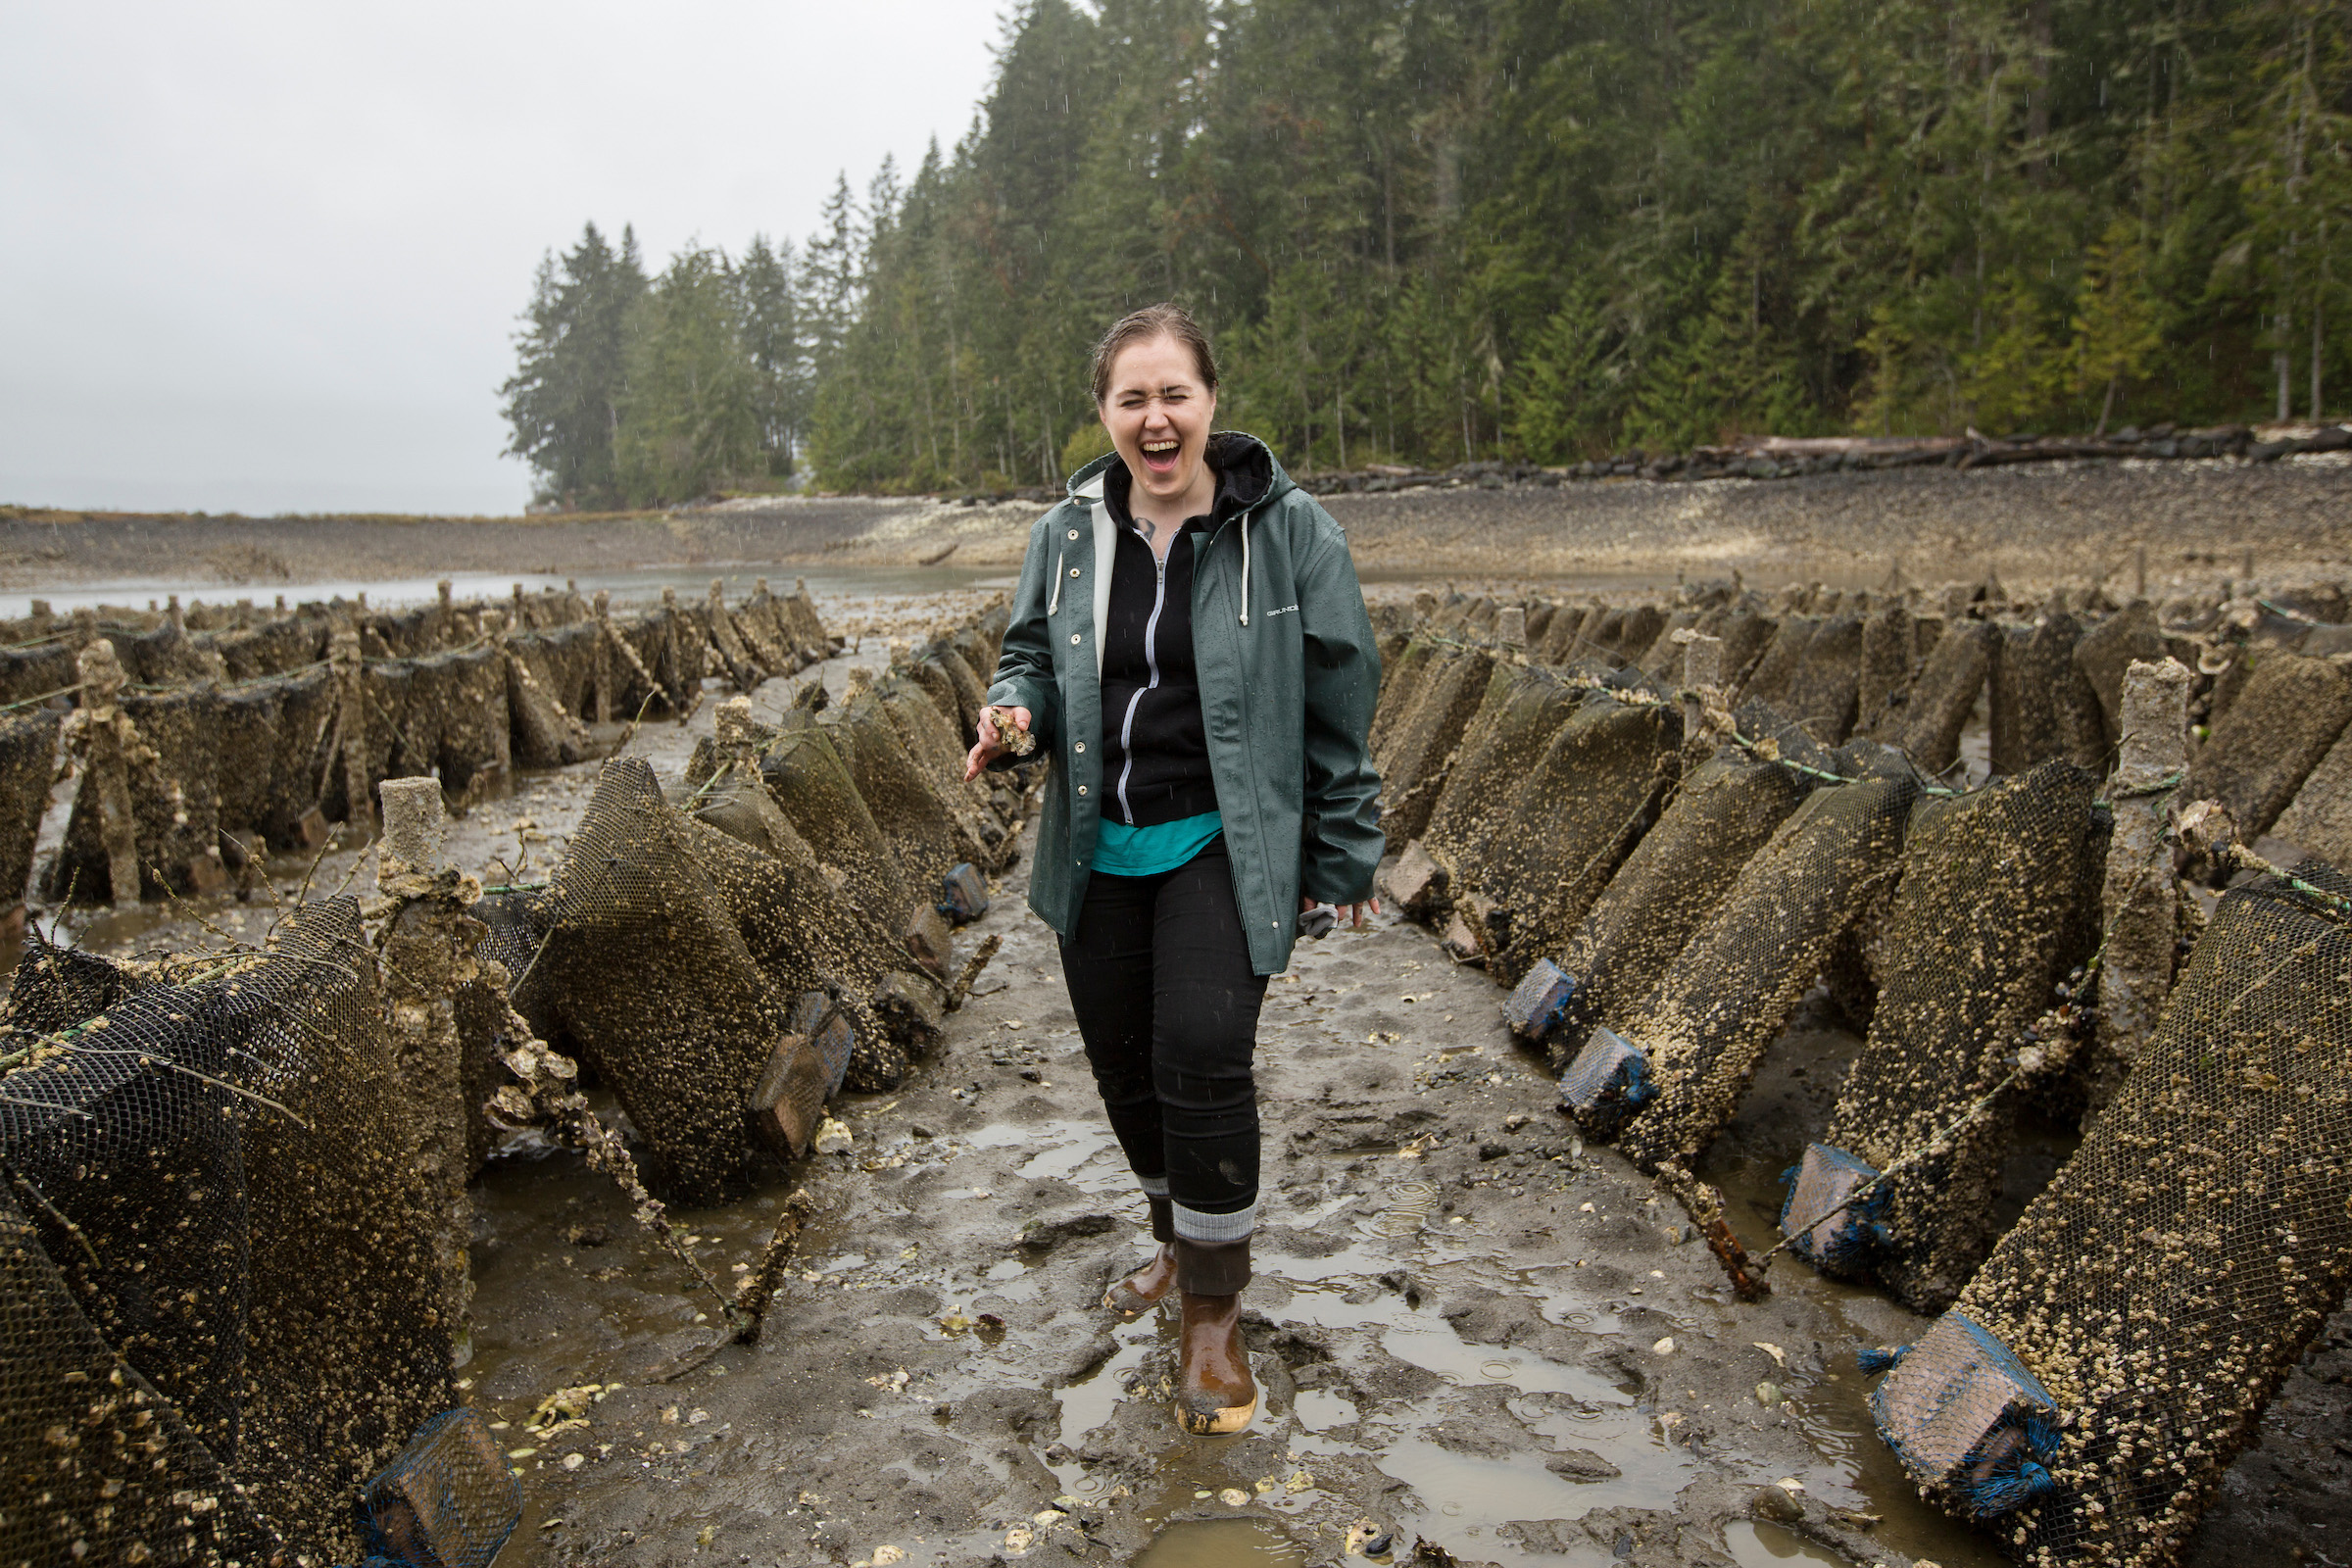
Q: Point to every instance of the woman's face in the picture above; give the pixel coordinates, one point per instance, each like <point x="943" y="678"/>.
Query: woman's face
<point x="1159" y="414"/>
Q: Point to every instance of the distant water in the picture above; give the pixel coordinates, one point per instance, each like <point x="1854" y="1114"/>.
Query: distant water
<point x="641" y="586"/>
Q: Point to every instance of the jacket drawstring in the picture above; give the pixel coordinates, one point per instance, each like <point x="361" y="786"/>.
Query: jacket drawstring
<point x="1245" y="569"/>
<point x="1055" y="603"/>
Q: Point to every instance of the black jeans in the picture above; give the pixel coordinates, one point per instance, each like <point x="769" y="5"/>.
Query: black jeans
<point x="1160" y="977"/>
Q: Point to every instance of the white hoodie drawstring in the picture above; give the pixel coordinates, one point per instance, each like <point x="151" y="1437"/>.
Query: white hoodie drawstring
<point x="1055" y="602"/>
<point x="1245" y="569"/>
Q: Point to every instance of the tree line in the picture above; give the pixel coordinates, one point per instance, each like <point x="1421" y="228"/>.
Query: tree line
<point x="1436" y="230"/>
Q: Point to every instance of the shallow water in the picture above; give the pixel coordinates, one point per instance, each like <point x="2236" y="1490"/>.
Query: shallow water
<point x="1222" y="1543"/>
<point x="1760" y="1545"/>
<point x="632" y="588"/>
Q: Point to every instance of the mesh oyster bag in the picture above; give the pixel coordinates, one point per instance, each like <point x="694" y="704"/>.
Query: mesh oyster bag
<point x="1889" y="649"/>
<point x="457" y="726"/>
<point x="1422" y="742"/>
<point x="896" y="791"/>
<point x="1400" y="681"/>
<point x="1723" y="811"/>
<point x="2319" y="817"/>
<point x="1943" y="696"/>
<point x="95" y="1464"/>
<point x="1776" y="669"/>
<point x="981" y="816"/>
<point x="971" y="692"/>
<point x="1746" y="632"/>
<point x="27" y="673"/>
<point x="806" y="773"/>
<point x="1998" y="899"/>
<point x="1522" y="710"/>
<point x="2271" y="737"/>
<point x="206" y="1167"/>
<point x="1579" y="812"/>
<point x="1637" y="628"/>
<point x="1824" y="694"/>
<point x="2171" y="1274"/>
<point x="1663" y="658"/>
<point x="2042" y="703"/>
<point x="274" y="648"/>
<point x="2105" y="652"/>
<point x="1563" y="635"/>
<point x="1731" y="992"/>
<point x="251" y="718"/>
<point x="173" y="779"/>
<point x="545" y="731"/>
<point x="27" y="767"/>
<point x="805" y="937"/>
<point x="645" y="968"/>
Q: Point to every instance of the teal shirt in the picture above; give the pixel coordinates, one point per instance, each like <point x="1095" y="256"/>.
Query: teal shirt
<point x="1124" y="850"/>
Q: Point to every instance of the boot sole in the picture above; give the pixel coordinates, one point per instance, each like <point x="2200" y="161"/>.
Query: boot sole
<point x="1231" y="1419"/>
<point x="1123" y="1313"/>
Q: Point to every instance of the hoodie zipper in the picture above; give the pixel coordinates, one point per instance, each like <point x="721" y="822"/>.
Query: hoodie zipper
<point x="1159" y="598"/>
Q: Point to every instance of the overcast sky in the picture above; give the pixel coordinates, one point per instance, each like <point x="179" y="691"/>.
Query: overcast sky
<point x="260" y="256"/>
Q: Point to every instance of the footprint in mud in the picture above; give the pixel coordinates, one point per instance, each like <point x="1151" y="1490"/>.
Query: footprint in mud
<point x="1409" y="1214"/>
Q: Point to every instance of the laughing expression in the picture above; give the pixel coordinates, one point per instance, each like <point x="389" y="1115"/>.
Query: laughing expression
<point x="1159" y="414"/>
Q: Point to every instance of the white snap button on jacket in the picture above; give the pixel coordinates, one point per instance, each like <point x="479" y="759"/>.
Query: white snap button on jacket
<point x="1082" y="788"/>
<point x="1081" y="746"/>
<point x="1073" y="533"/>
<point x="1073" y="639"/>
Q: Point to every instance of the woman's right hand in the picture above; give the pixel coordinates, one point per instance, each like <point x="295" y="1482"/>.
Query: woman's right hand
<point x="989" y="748"/>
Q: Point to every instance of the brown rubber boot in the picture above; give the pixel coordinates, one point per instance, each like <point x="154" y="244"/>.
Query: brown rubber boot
<point x="1215" y="1394"/>
<point x="1145" y="1289"/>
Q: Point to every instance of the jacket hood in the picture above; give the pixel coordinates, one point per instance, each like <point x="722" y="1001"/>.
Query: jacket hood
<point x="1240" y="459"/>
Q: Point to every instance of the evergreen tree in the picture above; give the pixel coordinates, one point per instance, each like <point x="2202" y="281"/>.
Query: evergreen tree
<point x="564" y="401"/>
<point x="1434" y="230"/>
<point x="689" y="421"/>
<point x="771" y="339"/>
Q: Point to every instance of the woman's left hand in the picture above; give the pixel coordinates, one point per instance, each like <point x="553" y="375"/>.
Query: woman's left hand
<point x="1351" y="915"/>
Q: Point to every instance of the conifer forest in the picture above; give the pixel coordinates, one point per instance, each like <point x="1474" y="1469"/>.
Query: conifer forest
<point x="1429" y="231"/>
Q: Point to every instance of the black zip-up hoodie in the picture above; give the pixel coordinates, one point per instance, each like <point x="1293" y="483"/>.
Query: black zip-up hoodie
<point x="1154" y="747"/>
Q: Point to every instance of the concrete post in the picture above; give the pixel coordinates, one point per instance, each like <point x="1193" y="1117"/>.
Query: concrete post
<point x="103" y="735"/>
<point x="351" y="723"/>
<point x="2141" y="898"/>
<point x="428" y="952"/>
<point x="1703" y="683"/>
<point x="603" y="657"/>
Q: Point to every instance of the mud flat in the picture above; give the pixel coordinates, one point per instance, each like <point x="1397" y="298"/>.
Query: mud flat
<point x="1472" y="1330"/>
<point x="2035" y="524"/>
<point x="1475" y="1331"/>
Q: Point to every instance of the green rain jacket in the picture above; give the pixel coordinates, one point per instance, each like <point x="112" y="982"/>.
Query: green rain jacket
<point x="1289" y="673"/>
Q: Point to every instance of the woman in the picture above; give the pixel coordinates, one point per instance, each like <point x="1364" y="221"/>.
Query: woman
<point x="1190" y="645"/>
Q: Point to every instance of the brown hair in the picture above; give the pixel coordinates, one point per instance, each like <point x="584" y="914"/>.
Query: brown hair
<point x="1140" y="327"/>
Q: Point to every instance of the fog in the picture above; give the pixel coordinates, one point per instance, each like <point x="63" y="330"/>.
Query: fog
<point x="266" y="257"/>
